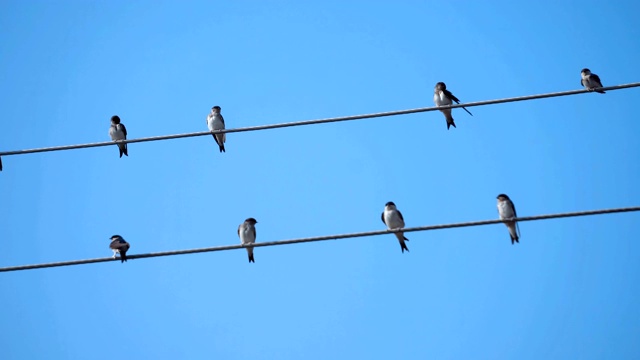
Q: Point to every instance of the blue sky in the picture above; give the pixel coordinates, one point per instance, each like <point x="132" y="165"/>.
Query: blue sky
<point x="568" y="290"/>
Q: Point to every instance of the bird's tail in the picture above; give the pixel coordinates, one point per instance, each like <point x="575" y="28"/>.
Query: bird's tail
<point x="449" y="118"/>
<point x="0" y="164"/>
<point x="250" y="252"/>
<point x="123" y="256"/>
<point x="513" y="233"/>
<point x="123" y="149"/>
<point x="600" y="91"/>
<point x="402" y="239"/>
<point x="450" y="122"/>
<point x="219" y="142"/>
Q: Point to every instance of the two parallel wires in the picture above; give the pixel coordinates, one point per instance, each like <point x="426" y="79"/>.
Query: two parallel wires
<point x="320" y="238"/>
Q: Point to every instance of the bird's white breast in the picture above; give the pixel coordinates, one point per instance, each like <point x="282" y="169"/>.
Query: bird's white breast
<point x="440" y="99"/>
<point x="246" y="235"/>
<point x="115" y="133"/>
<point x="392" y="219"/>
<point x="505" y="210"/>
<point x="215" y="122"/>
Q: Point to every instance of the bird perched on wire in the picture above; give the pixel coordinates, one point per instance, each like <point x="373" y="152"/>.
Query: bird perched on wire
<point x="119" y="245"/>
<point x="507" y="212"/>
<point x="590" y="81"/>
<point x="247" y="234"/>
<point x="392" y="217"/>
<point x="118" y="131"/>
<point x="215" y="121"/>
<point x="443" y="97"/>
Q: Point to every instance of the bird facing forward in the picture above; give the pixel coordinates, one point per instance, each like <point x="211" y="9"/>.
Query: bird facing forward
<point x="507" y="212"/>
<point x="392" y="217"/>
<point x="215" y="121"/>
<point x="590" y="81"/>
<point x="247" y="234"/>
<point x="118" y="131"/>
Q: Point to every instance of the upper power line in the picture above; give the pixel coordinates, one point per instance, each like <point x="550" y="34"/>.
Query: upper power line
<point x="318" y="121"/>
<point x="322" y="238"/>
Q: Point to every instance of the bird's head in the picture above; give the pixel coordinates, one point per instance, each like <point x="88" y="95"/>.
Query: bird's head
<point x="390" y="205"/>
<point x="116" y="237"/>
<point x="441" y="86"/>
<point x="251" y="221"/>
<point x="115" y="119"/>
<point x="585" y="71"/>
<point x="502" y="197"/>
<point x="216" y="109"/>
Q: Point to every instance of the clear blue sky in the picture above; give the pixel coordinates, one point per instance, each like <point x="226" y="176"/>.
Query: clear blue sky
<point x="569" y="290"/>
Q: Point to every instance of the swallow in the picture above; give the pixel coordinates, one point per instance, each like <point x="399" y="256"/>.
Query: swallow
<point x="247" y="234"/>
<point x="117" y="131"/>
<point x="119" y="245"/>
<point x="442" y="97"/>
<point x="507" y="211"/>
<point x="590" y="81"/>
<point x="215" y="121"/>
<point x="392" y="217"/>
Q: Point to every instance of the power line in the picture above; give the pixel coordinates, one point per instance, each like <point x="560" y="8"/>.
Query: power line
<point x="322" y="238"/>
<point x="317" y="121"/>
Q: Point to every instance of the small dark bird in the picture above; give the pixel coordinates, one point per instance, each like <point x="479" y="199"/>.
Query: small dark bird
<point x="215" y="121"/>
<point x="590" y="81"/>
<point x="443" y="97"/>
<point x="117" y="131"/>
<point x="392" y="217"/>
<point x="507" y="212"/>
<point x="119" y="245"/>
<point x="247" y="234"/>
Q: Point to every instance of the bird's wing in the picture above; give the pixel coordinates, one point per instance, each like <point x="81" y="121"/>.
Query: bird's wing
<point x="515" y="214"/>
<point x="452" y="97"/>
<point x="119" y="245"/>
<point x="596" y="79"/>
<point x="382" y="218"/>
<point x="124" y="131"/>
<point x="400" y="214"/>
<point x="253" y="230"/>
<point x="224" y="136"/>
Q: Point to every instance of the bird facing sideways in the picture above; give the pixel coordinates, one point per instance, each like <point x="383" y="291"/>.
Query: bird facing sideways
<point x="507" y="211"/>
<point x="119" y="245"/>
<point x="590" y="81"/>
<point x="443" y="97"/>
<point x="392" y="217"/>
<point x="118" y="131"/>
<point x="247" y="234"/>
<point x="215" y="121"/>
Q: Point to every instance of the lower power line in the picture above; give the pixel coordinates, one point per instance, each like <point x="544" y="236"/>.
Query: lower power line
<point x="321" y="238"/>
